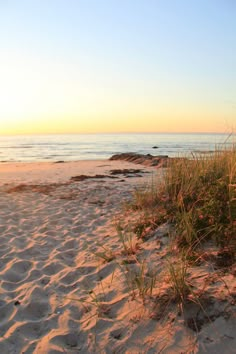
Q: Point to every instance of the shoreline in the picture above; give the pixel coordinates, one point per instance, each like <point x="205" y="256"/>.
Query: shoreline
<point x="82" y="147"/>
<point x="51" y="172"/>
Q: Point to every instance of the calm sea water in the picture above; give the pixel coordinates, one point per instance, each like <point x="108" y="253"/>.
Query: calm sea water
<point x="102" y="146"/>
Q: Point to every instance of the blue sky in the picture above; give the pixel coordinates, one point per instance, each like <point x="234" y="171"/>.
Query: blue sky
<point x="127" y="65"/>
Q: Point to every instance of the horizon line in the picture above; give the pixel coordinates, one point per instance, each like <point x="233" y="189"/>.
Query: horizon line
<point x="118" y="133"/>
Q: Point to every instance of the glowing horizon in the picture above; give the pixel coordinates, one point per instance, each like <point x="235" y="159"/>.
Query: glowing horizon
<point x="111" y="68"/>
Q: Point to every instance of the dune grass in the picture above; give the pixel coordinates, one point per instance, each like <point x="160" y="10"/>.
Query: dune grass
<point x="199" y="198"/>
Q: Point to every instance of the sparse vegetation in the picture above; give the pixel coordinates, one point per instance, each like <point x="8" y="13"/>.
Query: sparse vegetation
<point x="105" y="253"/>
<point x="197" y="199"/>
<point x="129" y="242"/>
<point x="141" y="280"/>
<point x="180" y="287"/>
<point x="145" y="280"/>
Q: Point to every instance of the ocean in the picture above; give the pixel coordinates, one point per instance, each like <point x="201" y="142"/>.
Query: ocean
<point x="73" y="147"/>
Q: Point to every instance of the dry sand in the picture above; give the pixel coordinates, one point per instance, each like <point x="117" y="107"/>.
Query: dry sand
<point x="66" y="285"/>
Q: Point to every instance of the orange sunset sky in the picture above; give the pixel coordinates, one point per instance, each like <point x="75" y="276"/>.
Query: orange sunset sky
<point x="117" y="66"/>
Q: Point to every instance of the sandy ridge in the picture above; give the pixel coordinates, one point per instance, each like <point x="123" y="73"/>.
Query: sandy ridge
<point x="58" y="295"/>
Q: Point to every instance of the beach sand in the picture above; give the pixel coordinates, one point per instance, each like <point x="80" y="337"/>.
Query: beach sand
<point x="66" y="282"/>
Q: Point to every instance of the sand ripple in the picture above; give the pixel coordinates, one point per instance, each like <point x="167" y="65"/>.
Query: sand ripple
<point x="58" y="296"/>
<point x="47" y="262"/>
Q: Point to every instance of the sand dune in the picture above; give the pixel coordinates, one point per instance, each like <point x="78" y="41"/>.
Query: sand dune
<point x="58" y="292"/>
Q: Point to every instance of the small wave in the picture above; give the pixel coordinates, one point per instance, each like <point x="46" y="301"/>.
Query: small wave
<point x="17" y="147"/>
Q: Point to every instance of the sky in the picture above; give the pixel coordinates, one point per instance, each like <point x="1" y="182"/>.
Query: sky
<point x="90" y="66"/>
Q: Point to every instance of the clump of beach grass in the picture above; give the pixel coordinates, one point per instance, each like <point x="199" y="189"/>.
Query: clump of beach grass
<point x="201" y="197"/>
<point x="197" y="195"/>
<point x="144" y="280"/>
<point x="178" y="280"/>
<point x="129" y="242"/>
